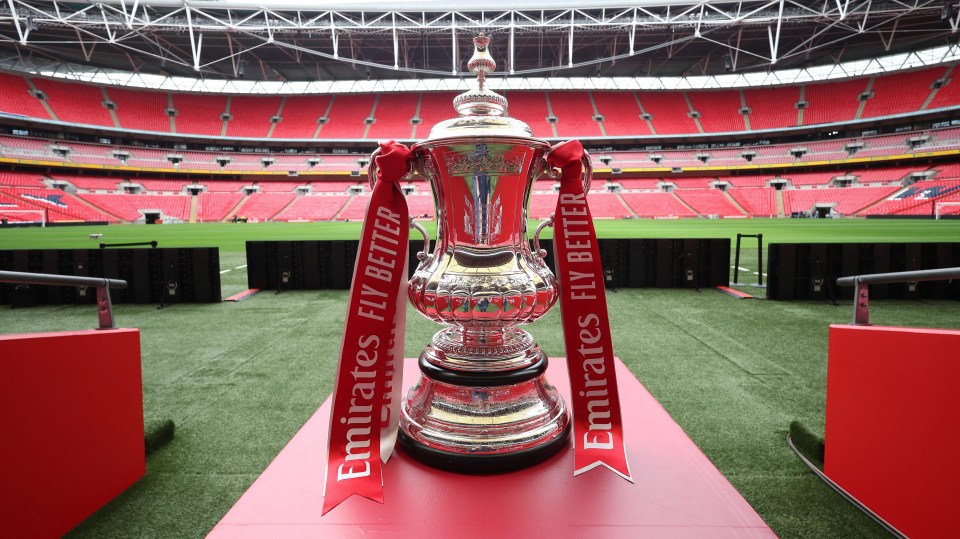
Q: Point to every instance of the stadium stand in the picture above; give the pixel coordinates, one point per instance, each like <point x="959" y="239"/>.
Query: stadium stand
<point x="710" y="202"/>
<point x="845" y="201"/>
<point x="392" y="116"/>
<point x="637" y="183"/>
<point x="199" y="114"/>
<point x="656" y="205"/>
<point x="263" y="206"/>
<point x="897" y="92"/>
<point x="60" y="205"/>
<point x="75" y="103"/>
<point x="278" y="187"/>
<point x="835" y="101"/>
<point x="621" y="115"/>
<point x="141" y="110"/>
<point x="89" y="183"/>
<point x="212" y="207"/>
<point x="574" y="112"/>
<point x="334" y="186"/>
<point x="355" y="209"/>
<point x="313" y="208"/>
<point x="948" y="95"/>
<point x="421" y="205"/>
<point x="131" y="207"/>
<point x="917" y="199"/>
<point x="299" y="116"/>
<point x="758" y="201"/>
<point x="21" y="179"/>
<point x="531" y="108"/>
<point x="772" y="108"/>
<point x="347" y="115"/>
<point x="225" y="186"/>
<point x="16" y="98"/>
<point x="719" y="110"/>
<point x="435" y="107"/>
<point x="670" y="113"/>
<point x="162" y="186"/>
<point x="542" y="205"/>
<point x="250" y="116"/>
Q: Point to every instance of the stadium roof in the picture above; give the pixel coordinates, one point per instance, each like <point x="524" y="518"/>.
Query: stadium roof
<point x="295" y="40"/>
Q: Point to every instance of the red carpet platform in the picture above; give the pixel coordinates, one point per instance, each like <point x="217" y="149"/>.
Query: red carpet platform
<point x="678" y="492"/>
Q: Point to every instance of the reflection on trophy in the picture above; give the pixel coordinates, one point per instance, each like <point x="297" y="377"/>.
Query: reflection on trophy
<point x="482" y="403"/>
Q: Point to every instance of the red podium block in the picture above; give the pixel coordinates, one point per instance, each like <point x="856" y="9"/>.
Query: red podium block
<point x="71" y="409"/>
<point x="891" y="436"/>
<point x="677" y="490"/>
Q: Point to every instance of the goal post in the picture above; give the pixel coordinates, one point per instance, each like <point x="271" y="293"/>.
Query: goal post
<point x="40" y="216"/>
<point x="938" y="208"/>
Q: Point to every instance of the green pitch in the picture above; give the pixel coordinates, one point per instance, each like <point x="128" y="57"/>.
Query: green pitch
<point x="230" y="237"/>
<point x="239" y="379"/>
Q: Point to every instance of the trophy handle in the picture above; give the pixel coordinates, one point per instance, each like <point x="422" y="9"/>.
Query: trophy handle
<point x="372" y="169"/>
<point x="542" y="253"/>
<point x="587" y="171"/>
<point x="424" y="255"/>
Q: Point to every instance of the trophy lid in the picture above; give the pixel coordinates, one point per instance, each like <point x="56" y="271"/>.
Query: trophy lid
<point x="481" y="110"/>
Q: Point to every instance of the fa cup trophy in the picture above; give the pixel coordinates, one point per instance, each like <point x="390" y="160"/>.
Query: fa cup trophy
<point x="482" y="402"/>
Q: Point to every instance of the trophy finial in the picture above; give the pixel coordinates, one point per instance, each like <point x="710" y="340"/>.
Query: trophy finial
<point x="482" y="101"/>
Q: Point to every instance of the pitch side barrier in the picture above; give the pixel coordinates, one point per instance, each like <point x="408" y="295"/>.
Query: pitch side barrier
<point x="627" y="263"/>
<point x="797" y="271"/>
<point x="156" y="275"/>
<point x="891" y="400"/>
<point x="78" y="424"/>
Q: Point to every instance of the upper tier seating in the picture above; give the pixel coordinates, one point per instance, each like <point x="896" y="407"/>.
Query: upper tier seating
<point x="299" y="116"/>
<point x="75" y="103"/>
<point x="670" y="112"/>
<point x="199" y="114"/>
<point x="835" y="101"/>
<point x="574" y="113"/>
<point x="435" y="107"/>
<point x="250" y="116"/>
<point x="393" y="114"/>
<point x="900" y="91"/>
<point x="621" y="115"/>
<point x="719" y="110"/>
<point x="347" y="114"/>
<point x="531" y="108"/>
<point x="772" y="108"/>
<point x="278" y="187"/>
<point x="141" y="110"/>
<point x="15" y="98"/>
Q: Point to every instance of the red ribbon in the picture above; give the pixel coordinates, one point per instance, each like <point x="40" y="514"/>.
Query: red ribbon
<point x="597" y="425"/>
<point x="364" y="412"/>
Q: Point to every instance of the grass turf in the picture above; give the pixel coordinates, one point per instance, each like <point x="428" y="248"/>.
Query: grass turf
<point x="239" y="379"/>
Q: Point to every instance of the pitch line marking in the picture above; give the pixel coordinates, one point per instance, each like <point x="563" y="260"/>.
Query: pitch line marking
<point x="240" y="267"/>
<point x="225" y="271"/>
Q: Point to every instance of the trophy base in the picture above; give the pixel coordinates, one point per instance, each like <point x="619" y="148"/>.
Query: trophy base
<point x="483" y="463"/>
<point x="483" y="422"/>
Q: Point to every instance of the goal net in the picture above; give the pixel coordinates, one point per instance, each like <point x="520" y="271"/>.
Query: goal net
<point x="947" y="208"/>
<point x="24" y="216"/>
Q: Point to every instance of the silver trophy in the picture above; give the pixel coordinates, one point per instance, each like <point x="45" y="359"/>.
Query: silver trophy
<point x="482" y="402"/>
